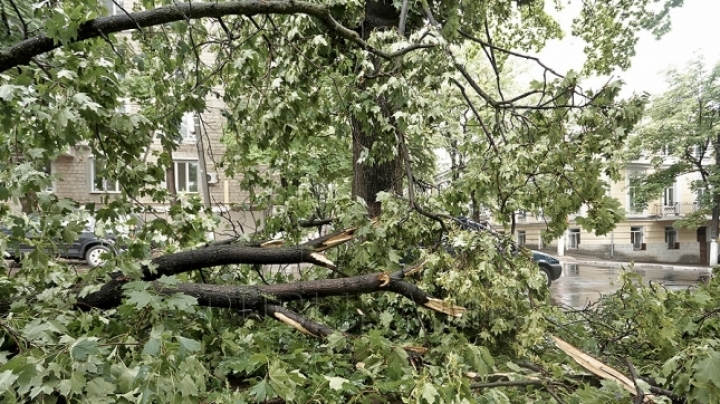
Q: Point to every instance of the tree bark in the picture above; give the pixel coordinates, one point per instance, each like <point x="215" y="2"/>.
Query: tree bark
<point x="22" y="52"/>
<point x="372" y="176"/>
<point x="715" y="223"/>
<point x="257" y="297"/>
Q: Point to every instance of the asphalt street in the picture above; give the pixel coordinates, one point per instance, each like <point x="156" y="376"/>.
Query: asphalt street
<point x="582" y="284"/>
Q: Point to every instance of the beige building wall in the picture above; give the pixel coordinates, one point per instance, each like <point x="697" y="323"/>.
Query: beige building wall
<point x="645" y="235"/>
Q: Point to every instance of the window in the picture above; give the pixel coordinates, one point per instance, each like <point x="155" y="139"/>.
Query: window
<point x="669" y="201"/>
<point x="636" y="238"/>
<point x="188" y="127"/>
<point x="186" y="176"/>
<point x="573" y="242"/>
<point x="521" y="237"/>
<point x="671" y="238"/>
<point x="700" y="195"/>
<point x="633" y="205"/>
<point x="634" y="181"/>
<point x="114" y="7"/>
<point x="98" y="183"/>
<point x="669" y="196"/>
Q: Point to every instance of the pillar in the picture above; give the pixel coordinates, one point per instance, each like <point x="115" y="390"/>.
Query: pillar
<point x="713" y="252"/>
<point x="561" y="246"/>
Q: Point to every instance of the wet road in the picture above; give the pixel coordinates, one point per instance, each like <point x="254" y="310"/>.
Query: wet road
<point x="580" y="284"/>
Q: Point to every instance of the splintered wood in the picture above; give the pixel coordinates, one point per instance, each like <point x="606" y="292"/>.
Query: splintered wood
<point x="599" y="369"/>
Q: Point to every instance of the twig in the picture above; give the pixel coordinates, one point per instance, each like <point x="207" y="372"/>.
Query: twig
<point x="507" y="383"/>
<point x="22" y="20"/>
<point x="633" y="373"/>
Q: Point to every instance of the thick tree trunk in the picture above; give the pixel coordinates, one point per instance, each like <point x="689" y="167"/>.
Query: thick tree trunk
<point x="715" y="224"/>
<point x="372" y="175"/>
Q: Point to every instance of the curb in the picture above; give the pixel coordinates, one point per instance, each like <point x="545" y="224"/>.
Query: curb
<point x="616" y="264"/>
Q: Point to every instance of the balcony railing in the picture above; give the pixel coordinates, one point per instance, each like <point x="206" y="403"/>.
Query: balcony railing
<point x="675" y="210"/>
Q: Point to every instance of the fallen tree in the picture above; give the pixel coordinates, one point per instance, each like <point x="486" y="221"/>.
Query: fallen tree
<point x="330" y="110"/>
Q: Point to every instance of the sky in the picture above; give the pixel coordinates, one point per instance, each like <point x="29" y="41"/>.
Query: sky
<point x="694" y="32"/>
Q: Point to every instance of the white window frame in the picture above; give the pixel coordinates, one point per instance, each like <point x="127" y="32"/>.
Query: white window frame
<point x="521" y="237"/>
<point x="188" y="127"/>
<point x="669" y="195"/>
<point x="187" y="175"/>
<point x="637" y="237"/>
<point x="93" y="184"/>
<point x="573" y="239"/>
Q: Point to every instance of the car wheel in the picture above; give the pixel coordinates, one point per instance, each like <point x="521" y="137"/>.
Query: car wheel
<point x="546" y="274"/>
<point x="93" y="255"/>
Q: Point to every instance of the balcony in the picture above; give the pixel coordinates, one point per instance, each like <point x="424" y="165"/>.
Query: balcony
<point x="673" y="211"/>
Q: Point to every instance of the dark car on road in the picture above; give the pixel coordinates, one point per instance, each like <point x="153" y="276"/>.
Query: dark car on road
<point x="550" y="267"/>
<point x="86" y="247"/>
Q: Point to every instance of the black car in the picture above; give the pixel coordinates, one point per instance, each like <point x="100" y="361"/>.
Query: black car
<point x="550" y="267"/>
<point x="87" y="246"/>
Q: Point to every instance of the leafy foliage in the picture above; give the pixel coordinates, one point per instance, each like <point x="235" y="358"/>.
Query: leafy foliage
<point x="298" y="92"/>
<point x="679" y="139"/>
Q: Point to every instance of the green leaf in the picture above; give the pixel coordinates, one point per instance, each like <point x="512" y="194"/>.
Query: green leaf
<point x="99" y="387"/>
<point x="84" y="347"/>
<point x="188" y="387"/>
<point x="152" y="347"/>
<point x="429" y="393"/>
<point x="188" y="344"/>
<point x="336" y="383"/>
<point x="386" y="318"/>
<point x="262" y="391"/>
<point x="7" y="378"/>
<point x="7" y="92"/>
<point x="707" y="368"/>
<point x="181" y="301"/>
<point x="140" y="299"/>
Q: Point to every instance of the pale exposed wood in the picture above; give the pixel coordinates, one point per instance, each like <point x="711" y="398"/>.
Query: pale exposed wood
<point x="294" y="324"/>
<point x="444" y="307"/>
<point x="598" y="368"/>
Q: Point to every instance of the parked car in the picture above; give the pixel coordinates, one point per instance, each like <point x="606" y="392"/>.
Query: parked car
<point x="86" y="247"/>
<point x="550" y="267"/>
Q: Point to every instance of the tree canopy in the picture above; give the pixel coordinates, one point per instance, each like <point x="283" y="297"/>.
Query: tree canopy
<point x="680" y="138"/>
<point x="333" y="114"/>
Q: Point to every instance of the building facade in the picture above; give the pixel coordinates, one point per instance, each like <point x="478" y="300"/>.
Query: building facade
<point x="197" y="164"/>
<point x="648" y="232"/>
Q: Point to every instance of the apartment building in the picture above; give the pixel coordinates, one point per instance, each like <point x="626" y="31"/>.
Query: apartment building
<point x="196" y="163"/>
<point x="647" y="234"/>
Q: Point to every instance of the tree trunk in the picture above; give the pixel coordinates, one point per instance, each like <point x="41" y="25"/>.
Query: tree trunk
<point x="371" y="176"/>
<point x="716" y="196"/>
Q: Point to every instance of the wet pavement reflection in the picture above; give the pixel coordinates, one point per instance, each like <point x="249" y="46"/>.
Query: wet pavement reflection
<point x="581" y="285"/>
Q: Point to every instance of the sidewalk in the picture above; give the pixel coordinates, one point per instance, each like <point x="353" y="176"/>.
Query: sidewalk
<point x="574" y="258"/>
